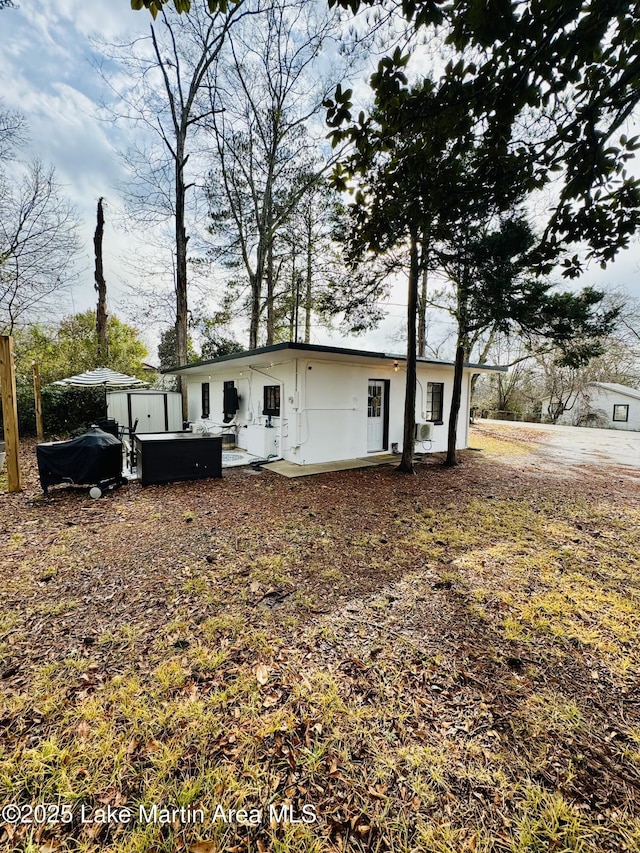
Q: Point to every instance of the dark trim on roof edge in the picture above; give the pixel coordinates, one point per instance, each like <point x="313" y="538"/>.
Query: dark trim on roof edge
<point x="316" y="348"/>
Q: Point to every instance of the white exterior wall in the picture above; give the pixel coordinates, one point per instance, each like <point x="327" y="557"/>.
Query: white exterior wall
<point x="252" y="433"/>
<point x="323" y="406"/>
<point x="600" y="402"/>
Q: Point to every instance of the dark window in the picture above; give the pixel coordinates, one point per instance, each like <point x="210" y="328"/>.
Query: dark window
<point x="230" y="402"/>
<point x="435" y="394"/>
<point x="205" y="400"/>
<point x="621" y="413"/>
<point x="271" y="400"/>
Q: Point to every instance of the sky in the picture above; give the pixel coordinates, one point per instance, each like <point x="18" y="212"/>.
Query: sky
<point x="47" y="70"/>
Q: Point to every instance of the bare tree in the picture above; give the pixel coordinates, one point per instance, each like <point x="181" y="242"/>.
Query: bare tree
<point x="12" y="132"/>
<point x="160" y="93"/>
<point x="311" y="261"/>
<point x="565" y="386"/>
<point x="264" y="100"/>
<point x="38" y="243"/>
<point x="536" y="372"/>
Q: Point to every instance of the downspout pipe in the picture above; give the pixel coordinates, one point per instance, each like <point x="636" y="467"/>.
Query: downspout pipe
<point x="280" y="382"/>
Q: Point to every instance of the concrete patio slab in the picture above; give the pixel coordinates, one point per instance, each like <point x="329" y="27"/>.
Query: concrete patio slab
<point x="290" y="469"/>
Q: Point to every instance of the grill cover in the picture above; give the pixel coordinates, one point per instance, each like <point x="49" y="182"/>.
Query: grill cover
<point x="95" y="457"/>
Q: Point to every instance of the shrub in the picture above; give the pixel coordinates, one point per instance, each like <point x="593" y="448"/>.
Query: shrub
<point x="64" y="410"/>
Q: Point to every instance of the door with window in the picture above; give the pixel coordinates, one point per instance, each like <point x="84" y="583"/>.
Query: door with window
<point x="377" y="415"/>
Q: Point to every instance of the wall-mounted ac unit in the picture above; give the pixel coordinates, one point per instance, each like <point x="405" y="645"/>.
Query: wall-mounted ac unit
<point x="424" y="432"/>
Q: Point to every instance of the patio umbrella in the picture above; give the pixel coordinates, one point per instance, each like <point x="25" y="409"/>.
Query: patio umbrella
<point x="102" y="377"/>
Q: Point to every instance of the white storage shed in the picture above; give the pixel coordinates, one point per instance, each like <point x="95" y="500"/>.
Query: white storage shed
<point x="146" y="411"/>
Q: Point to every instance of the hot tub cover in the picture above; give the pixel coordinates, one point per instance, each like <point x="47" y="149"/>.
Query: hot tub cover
<point x="92" y="458"/>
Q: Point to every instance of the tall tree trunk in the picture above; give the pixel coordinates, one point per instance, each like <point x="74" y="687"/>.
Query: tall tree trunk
<point x="181" y="271"/>
<point x="256" y="293"/>
<point x="271" y="330"/>
<point x="295" y="288"/>
<point x="462" y="348"/>
<point x="451" y="459"/>
<point x="422" y="297"/>
<point x="307" y="298"/>
<point x="9" y="398"/>
<point x="422" y="316"/>
<point x="257" y="279"/>
<point x="267" y="238"/>
<point x="408" y="444"/>
<point x="101" y="288"/>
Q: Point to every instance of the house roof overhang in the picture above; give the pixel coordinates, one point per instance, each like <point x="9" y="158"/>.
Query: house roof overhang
<point x="616" y="388"/>
<point x="264" y="356"/>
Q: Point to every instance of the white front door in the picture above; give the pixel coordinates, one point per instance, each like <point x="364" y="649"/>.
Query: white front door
<point x="375" y="416"/>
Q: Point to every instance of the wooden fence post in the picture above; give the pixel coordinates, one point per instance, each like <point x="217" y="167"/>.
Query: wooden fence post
<point x="37" y="400"/>
<point x="10" y="412"/>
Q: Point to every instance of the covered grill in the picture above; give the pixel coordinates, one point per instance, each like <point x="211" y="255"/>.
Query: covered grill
<point x="93" y="459"/>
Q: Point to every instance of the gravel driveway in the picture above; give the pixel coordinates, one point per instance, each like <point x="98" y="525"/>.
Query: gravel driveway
<point x="578" y="445"/>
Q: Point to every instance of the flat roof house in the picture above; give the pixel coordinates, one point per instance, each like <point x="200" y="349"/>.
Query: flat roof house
<point x="312" y="404"/>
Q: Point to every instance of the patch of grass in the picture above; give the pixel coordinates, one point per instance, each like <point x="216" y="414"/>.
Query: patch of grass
<point x="444" y="838"/>
<point x="271" y="569"/>
<point x="55" y="608"/>
<point x="208" y="660"/>
<point x="547" y="711"/>
<point x="546" y="821"/>
<point x="499" y="446"/>
<point x="48" y="573"/>
<point x="552" y="582"/>
<point x="223" y="624"/>
<point x="171" y="675"/>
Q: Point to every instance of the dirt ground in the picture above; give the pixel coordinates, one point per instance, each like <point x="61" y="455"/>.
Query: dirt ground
<point x="445" y="662"/>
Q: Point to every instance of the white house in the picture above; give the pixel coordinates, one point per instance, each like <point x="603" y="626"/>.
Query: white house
<point x="312" y="404"/>
<point x="603" y="404"/>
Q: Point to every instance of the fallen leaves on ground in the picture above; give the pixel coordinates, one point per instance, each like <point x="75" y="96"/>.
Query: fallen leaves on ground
<point x="353" y="661"/>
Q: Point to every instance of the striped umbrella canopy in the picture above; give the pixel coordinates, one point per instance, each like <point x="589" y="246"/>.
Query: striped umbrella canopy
<point x="102" y="377"/>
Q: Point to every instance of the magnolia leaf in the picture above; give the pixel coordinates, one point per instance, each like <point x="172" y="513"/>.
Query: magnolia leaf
<point x="261" y="673"/>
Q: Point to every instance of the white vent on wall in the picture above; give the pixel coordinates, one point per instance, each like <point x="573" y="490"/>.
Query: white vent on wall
<point x="424" y="432"/>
